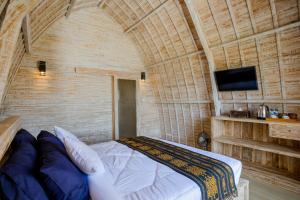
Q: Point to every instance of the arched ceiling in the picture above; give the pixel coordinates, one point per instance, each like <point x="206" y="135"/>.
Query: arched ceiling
<point x="146" y="22"/>
<point x="162" y="30"/>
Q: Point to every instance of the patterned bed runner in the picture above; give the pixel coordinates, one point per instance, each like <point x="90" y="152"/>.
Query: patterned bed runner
<point x="214" y="178"/>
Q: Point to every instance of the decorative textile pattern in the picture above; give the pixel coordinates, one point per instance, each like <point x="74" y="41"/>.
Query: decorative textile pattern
<point x="214" y="178"/>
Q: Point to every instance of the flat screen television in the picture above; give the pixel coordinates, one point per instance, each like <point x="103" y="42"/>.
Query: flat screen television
<point x="240" y="79"/>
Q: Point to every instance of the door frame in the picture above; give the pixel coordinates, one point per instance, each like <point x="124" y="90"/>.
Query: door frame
<point x="115" y="111"/>
<point x="115" y="75"/>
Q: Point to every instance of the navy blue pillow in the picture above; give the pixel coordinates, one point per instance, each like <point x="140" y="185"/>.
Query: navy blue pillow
<point x="23" y="136"/>
<point x="17" y="176"/>
<point x="61" y="179"/>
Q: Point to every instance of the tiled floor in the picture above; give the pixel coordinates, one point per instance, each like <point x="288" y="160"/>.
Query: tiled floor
<point x="259" y="191"/>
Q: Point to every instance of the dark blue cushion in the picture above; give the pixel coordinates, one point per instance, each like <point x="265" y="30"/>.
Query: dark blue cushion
<point x="61" y="179"/>
<point x="17" y="176"/>
<point x="23" y="136"/>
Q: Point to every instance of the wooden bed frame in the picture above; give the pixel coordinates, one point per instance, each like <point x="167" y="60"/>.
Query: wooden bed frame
<point x="10" y="126"/>
<point x="8" y="129"/>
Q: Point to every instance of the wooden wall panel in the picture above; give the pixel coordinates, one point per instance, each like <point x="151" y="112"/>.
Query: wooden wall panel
<point x="261" y="33"/>
<point x="78" y="101"/>
<point x="211" y="32"/>
<point x="18" y="56"/>
<point x="269" y="66"/>
<point x="240" y="17"/>
<point x="262" y="15"/>
<point x="249" y="57"/>
<point x="286" y="11"/>
<point x="221" y="16"/>
<point x="150" y="117"/>
<point x="290" y="58"/>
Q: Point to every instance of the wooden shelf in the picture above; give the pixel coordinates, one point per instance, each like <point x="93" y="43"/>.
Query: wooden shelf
<point x="253" y="120"/>
<point x="258" y="145"/>
<point x="228" y="132"/>
<point x="270" y="176"/>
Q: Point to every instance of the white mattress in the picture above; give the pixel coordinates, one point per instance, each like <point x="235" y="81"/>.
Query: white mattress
<point x="131" y="175"/>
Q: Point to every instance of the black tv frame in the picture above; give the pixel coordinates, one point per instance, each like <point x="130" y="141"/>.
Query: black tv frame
<point x="236" y="70"/>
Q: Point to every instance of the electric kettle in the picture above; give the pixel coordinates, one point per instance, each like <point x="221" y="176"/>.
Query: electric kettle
<point x="263" y="112"/>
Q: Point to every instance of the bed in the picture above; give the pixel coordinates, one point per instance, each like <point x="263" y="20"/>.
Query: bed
<point x="131" y="175"/>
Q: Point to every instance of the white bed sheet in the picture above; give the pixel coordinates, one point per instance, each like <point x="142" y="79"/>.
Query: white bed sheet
<point x="130" y="175"/>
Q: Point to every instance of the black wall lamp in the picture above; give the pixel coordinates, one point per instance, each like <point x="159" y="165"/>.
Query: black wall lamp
<point x="143" y="76"/>
<point x="42" y="67"/>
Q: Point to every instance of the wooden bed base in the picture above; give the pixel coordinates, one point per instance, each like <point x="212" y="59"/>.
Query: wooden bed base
<point x="243" y="190"/>
<point x="10" y="126"/>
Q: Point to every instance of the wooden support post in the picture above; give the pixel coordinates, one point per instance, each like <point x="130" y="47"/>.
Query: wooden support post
<point x="115" y="120"/>
<point x="27" y="33"/>
<point x="70" y="7"/>
<point x="101" y="3"/>
<point x="145" y="17"/>
<point x="209" y="55"/>
<point x="9" y="34"/>
<point x="3" y="5"/>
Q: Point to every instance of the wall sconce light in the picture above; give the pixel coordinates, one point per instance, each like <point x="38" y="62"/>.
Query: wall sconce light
<point x="143" y="76"/>
<point x="42" y="67"/>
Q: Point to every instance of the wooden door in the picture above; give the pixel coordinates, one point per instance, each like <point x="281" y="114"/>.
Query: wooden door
<point x="127" y="108"/>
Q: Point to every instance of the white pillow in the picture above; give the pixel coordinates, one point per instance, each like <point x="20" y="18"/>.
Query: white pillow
<point x="85" y="158"/>
<point x="62" y="134"/>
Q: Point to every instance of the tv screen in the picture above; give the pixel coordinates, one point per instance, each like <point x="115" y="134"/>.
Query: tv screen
<point x="240" y="79"/>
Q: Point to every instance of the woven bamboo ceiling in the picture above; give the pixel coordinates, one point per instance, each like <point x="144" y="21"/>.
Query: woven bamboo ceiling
<point x="183" y="41"/>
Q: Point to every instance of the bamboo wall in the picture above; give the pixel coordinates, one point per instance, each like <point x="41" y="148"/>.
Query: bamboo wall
<point x="18" y="56"/>
<point x="71" y="95"/>
<point x="178" y="38"/>
<point x="177" y="66"/>
<point x="261" y="33"/>
<point x="265" y="34"/>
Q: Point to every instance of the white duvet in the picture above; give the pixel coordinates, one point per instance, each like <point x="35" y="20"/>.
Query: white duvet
<point x="130" y="175"/>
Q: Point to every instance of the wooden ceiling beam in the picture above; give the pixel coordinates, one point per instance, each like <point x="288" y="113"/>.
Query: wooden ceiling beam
<point x="9" y="34"/>
<point x="211" y="62"/>
<point x="2" y="6"/>
<point x="279" y="48"/>
<point x="101" y="3"/>
<point x="70" y="7"/>
<point x="186" y="22"/>
<point x="274" y="14"/>
<point x="27" y="33"/>
<point x="174" y="58"/>
<point x="299" y="8"/>
<point x="251" y="15"/>
<point x="257" y="35"/>
<point x="130" y="28"/>
<point x="233" y="18"/>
